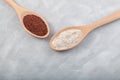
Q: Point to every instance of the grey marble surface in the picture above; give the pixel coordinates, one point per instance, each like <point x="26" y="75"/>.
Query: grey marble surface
<point x="23" y="57"/>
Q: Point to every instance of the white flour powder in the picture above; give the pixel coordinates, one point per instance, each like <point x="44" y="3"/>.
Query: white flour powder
<point x="67" y="39"/>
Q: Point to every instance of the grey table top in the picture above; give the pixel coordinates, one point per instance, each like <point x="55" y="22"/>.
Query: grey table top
<point x="23" y="57"/>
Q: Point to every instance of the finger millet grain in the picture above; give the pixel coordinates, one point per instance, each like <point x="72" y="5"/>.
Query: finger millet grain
<point x="35" y="25"/>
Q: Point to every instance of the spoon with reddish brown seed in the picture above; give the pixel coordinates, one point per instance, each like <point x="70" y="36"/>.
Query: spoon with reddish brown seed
<point x="33" y="23"/>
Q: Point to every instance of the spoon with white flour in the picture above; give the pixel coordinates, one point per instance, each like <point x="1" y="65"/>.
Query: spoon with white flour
<point x="70" y="37"/>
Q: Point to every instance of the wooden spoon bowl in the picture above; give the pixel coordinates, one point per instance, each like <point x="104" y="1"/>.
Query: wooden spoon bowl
<point x="23" y="12"/>
<point x="84" y="31"/>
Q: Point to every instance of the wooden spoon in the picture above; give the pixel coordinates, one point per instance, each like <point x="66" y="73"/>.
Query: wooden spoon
<point x="23" y="12"/>
<point x="85" y="30"/>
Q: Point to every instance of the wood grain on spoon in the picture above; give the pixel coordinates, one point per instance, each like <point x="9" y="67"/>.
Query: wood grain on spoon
<point x="22" y="12"/>
<point x="85" y="30"/>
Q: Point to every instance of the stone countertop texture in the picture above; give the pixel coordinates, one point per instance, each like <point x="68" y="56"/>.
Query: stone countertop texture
<point x="23" y="57"/>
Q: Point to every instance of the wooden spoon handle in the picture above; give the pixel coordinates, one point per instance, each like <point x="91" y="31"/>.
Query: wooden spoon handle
<point x="15" y="6"/>
<point x="106" y="20"/>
